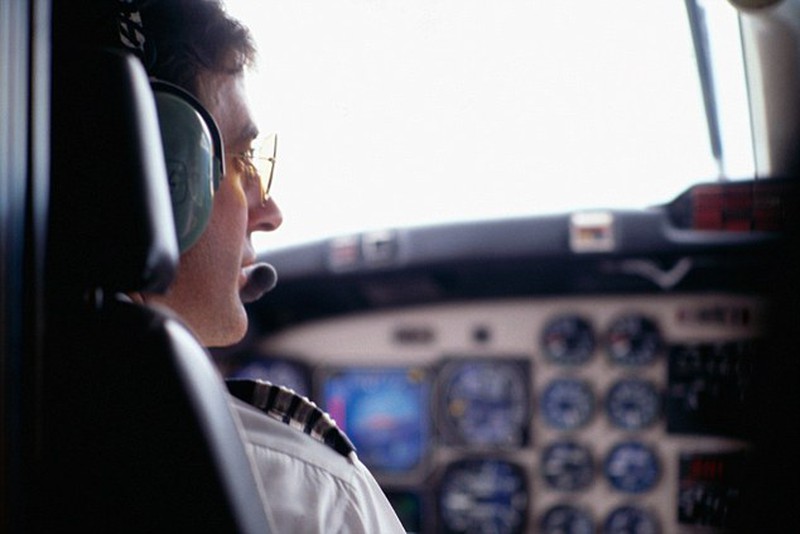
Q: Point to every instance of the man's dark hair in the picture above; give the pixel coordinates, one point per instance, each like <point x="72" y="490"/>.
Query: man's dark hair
<point x="184" y="38"/>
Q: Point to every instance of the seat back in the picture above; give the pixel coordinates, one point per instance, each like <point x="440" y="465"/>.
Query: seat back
<point x="138" y="433"/>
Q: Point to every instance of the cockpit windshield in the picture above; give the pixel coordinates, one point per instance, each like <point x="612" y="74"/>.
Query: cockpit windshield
<point x="395" y="114"/>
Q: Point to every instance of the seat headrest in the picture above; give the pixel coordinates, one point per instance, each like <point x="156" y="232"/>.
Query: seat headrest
<point x="111" y="224"/>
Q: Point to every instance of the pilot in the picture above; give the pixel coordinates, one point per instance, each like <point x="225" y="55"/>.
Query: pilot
<point x="312" y="480"/>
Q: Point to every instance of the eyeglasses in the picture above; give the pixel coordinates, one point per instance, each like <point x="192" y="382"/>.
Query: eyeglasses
<point x="258" y="163"/>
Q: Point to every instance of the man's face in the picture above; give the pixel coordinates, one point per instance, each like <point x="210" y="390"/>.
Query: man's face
<point x="206" y="290"/>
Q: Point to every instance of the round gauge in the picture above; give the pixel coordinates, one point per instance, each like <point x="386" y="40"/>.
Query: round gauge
<point x="567" y="403"/>
<point x="483" y="496"/>
<point x="485" y="402"/>
<point x="633" y="404"/>
<point x="567" y="519"/>
<point x="630" y="520"/>
<point x="278" y="371"/>
<point x="632" y="467"/>
<point x="633" y="340"/>
<point x="568" y="340"/>
<point x="567" y="466"/>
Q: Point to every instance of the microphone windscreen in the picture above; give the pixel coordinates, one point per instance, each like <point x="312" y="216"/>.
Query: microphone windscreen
<point x="261" y="277"/>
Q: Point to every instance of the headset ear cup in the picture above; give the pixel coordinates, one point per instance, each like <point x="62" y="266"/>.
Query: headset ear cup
<point x="189" y="153"/>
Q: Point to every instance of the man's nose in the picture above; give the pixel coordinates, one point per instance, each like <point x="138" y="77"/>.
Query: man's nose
<point x="265" y="217"/>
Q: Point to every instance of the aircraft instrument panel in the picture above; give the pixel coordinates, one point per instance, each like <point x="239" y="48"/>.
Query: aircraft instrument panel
<point x="613" y="414"/>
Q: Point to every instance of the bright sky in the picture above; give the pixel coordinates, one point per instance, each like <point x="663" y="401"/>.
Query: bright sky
<point x="392" y="113"/>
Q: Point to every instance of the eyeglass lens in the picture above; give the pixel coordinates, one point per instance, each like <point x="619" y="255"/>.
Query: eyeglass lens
<point x="264" y="161"/>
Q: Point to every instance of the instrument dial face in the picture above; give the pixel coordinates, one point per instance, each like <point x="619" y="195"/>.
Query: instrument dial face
<point x="567" y="403"/>
<point x="632" y="467"/>
<point x="633" y="340"/>
<point x="568" y="340"/>
<point x="483" y="496"/>
<point x="567" y="466"/>
<point x="633" y="404"/>
<point x="631" y="520"/>
<point x="567" y="519"/>
<point x="486" y="402"/>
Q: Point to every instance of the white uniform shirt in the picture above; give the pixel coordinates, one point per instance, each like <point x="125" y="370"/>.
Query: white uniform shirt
<point x="308" y="486"/>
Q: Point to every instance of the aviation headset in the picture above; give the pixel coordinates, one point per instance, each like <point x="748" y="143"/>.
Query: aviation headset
<point x="192" y="143"/>
<point x="194" y="156"/>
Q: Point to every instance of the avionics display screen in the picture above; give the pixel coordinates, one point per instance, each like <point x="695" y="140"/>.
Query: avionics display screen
<point x="384" y="411"/>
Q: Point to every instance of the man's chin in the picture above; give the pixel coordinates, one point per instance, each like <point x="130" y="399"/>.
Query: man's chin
<point x="227" y="329"/>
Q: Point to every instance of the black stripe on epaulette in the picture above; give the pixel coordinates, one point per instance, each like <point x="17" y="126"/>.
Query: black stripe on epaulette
<point x="293" y="406"/>
<point x="312" y="420"/>
<point x="283" y="404"/>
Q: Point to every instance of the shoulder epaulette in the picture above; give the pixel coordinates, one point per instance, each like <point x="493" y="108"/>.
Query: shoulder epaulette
<point x="283" y="404"/>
